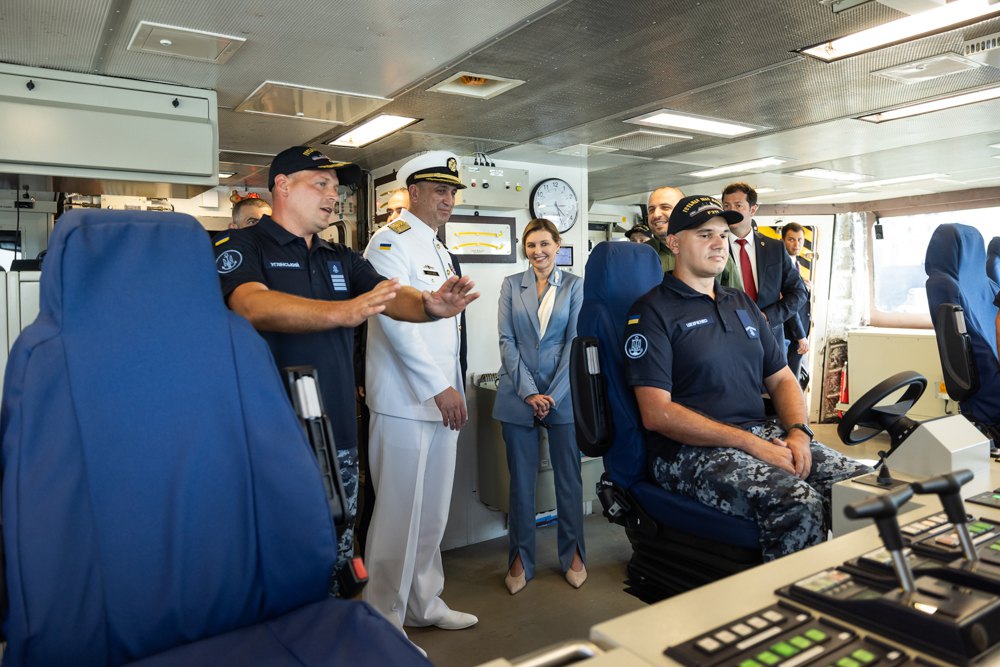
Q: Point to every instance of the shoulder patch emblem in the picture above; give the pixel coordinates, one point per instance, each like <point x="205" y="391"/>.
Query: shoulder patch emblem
<point x="228" y="261"/>
<point x="636" y="346"/>
<point x="399" y="226"/>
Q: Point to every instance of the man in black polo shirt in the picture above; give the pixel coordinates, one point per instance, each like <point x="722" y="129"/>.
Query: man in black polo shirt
<point x="305" y="296"/>
<point x="697" y="354"/>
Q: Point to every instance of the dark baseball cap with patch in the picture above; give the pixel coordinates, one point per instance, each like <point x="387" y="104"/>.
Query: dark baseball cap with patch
<point x="697" y="210"/>
<point x="301" y="158"/>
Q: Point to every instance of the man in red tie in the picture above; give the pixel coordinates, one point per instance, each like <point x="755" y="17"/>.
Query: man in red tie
<point x="769" y="279"/>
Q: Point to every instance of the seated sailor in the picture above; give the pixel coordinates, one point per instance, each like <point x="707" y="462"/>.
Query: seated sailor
<point x="697" y="355"/>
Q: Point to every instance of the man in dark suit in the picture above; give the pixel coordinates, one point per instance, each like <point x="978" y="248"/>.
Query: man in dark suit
<point x="769" y="279"/>
<point x="797" y="328"/>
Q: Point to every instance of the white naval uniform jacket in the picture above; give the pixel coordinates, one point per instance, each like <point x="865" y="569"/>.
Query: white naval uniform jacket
<point x="407" y="363"/>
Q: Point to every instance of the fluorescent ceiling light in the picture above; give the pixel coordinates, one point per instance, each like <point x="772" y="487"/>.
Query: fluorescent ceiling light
<point x="940" y="19"/>
<point x="750" y="165"/>
<point x="830" y="175"/>
<point x="373" y="130"/>
<point x="895" y="181"/>
<point x="693" y="123"/>
<point x="934" y="105"/>
<point x="826" y="199"/>
<point x="764" y="191"/>
<point x="995" y="146"/>
<point x="226" y="174"/>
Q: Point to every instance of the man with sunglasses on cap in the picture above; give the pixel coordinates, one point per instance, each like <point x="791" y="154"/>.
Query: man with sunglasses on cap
<point x="417" y="400"/>
<point x="305" y="296"/>
<point x="697" y="354"/>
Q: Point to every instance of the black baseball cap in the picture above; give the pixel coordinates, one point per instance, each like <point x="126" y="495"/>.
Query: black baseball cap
<point x="639" y="228"/>
<point x="697" y="210"/>
<point x="301" y="158"/>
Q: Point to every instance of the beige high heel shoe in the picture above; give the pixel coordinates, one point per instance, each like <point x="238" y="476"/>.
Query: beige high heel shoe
<point x="576" y="577"/>
<point x="515" y="584"/>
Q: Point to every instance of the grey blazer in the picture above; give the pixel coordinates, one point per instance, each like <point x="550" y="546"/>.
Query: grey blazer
<point x="529" y="365"/>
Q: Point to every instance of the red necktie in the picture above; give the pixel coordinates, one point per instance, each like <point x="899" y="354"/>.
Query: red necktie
<point x="748" y="285"/>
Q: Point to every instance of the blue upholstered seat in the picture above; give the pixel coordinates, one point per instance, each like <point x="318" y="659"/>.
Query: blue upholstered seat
<point x="158" y="489"/>
<point x="617" y="275"/>
<point x="954" y="264"/>
<point x="993" y="259"/>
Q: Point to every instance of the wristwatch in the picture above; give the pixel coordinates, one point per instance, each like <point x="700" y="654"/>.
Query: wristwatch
<point x="804" y="428"/>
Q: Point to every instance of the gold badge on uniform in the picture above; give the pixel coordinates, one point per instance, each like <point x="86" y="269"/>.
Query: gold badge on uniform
<point x="399" y="226"/>
<point x="452" y="164"/>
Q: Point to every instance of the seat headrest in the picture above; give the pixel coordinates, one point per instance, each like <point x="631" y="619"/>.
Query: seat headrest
<point x="993" y="259"/>
<point x="620" y="272"/>
<point x="955" y="250"/>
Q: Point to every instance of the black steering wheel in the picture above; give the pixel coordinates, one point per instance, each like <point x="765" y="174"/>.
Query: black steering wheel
<point x="867" y="418"/>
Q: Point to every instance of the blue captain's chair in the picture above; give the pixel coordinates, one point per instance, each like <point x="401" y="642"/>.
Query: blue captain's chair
<point x="993" y="259"/>
<point x="161" y="502"/>
<point x="960" y="297"/>
<point x="678" y="543"/>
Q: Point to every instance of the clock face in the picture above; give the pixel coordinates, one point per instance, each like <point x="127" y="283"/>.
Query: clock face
<point x="554" y="199"/>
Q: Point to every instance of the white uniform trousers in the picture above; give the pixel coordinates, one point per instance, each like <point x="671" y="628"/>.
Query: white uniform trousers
<point x="413" y="468"/>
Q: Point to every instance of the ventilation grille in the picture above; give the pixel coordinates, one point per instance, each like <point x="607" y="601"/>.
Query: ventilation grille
<point x="982" y="44"/>
<point x="642" y="140"/>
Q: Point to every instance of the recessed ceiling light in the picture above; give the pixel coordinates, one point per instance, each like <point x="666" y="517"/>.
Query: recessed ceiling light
<point x="940" y="19"/>
<point x="895" y="181"/>
<point x="693" y="123"/>
<point x="934" y="105"/>
<point x="166" y="42"/>
<point x="226" y="174"/>
<point x="830" y="175"/>
<point x="824" y="199"/>
<point x="372" y="130"/>
<point x="749" y="165"/>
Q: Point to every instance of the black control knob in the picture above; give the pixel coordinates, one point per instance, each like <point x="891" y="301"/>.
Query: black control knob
<point x="883" y="509"/>
<point x="947" y="488"/>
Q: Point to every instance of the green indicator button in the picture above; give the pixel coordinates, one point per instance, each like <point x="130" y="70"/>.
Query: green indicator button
<point x="816" y="635"/>
<point x="848" y="662"/>
<point x="995" y="546"/>
<point x="750" y="663"/>
<point x="800" y="642"/>
<point x="768" y="658"/>
<point x="863" y="656"/>
<point x="784" y="649"/>
<point x="981" y="527"/>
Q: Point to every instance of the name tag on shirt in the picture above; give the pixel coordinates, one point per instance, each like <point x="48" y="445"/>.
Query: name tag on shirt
<point x="748" y="324"/>
<point x="697" y="324"/>
<point x="429" y="271"/>
<point x="284" y="265"/>
<point x="337" y="278"/>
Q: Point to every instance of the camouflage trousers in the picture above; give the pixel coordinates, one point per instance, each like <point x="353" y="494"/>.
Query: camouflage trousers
<point x="347" y="460"/>
<point x="790" y="513"/>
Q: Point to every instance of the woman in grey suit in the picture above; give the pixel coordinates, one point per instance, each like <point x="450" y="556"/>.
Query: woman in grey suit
<point x="537" y="320"/>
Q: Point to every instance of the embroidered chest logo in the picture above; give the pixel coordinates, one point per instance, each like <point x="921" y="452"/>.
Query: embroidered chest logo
<point x="228" y="261"/>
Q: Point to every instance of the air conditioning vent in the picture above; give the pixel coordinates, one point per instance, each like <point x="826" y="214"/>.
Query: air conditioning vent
<point x="985" y="50"/>
<point x="642" y="140"/>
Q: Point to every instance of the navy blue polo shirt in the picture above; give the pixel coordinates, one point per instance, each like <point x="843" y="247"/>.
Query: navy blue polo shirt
<point x="268" y="253"/>
<point x="711" y="355"/>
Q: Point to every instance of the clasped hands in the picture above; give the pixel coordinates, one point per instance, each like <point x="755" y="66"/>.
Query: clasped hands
<point x="540" y="405"/>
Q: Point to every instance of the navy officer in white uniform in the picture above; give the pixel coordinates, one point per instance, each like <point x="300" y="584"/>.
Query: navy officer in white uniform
<point x="417" y="401"/>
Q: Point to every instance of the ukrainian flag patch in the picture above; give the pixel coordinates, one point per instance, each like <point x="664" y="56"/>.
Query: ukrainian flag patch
<point x="385" y="246"/>
<point x="633" y="319"/>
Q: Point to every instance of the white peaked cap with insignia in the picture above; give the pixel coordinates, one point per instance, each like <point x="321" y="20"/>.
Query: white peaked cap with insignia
<point x="433" y="166"/>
